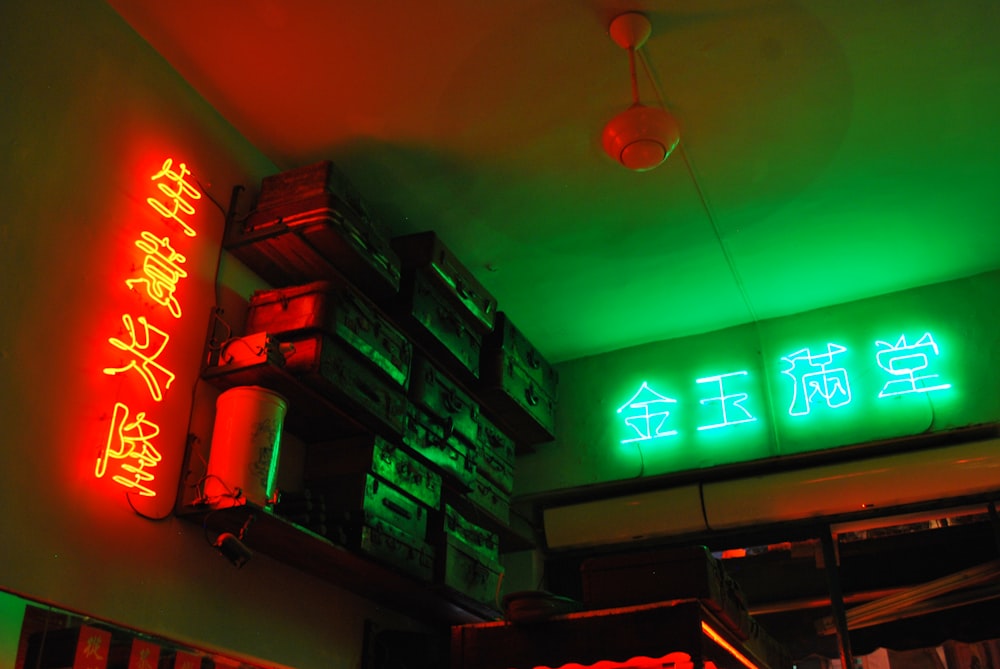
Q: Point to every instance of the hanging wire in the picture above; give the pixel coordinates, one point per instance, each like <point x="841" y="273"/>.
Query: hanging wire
<point x="703" y="200"/>
<point x="726" y="253"/>
<point x="635" y="81"/>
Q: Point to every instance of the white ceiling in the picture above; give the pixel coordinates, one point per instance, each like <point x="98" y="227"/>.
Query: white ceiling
<point x="831" y="149"/>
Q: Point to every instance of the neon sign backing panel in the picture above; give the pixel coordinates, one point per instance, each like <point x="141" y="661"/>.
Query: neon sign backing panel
<point x="909" y="363"/>
<point x="152" y="358"/>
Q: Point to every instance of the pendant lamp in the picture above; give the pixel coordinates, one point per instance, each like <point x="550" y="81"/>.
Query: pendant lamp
<point x="641" y="137"/>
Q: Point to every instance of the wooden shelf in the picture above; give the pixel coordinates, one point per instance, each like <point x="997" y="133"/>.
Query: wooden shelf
<point x="317" y="556"/>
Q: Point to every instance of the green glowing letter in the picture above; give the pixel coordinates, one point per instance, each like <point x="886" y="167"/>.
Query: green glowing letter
<point x="641" y="417"/>
<point x="734" y="400"/>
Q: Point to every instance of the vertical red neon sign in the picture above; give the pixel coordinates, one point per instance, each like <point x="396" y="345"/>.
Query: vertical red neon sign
<point x="130" y="453"/>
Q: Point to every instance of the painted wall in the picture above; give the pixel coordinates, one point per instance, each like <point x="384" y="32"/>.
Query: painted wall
<point x="90" y="113"/>
<point x="903" y="364"/>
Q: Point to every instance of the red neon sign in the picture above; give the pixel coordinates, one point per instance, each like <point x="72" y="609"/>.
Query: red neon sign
<point x="151" y="339"/>
<point x="717" y="638"/>
<point x="130" y="450"/>
<point x="131" y="442"/>
<point x="162" y="270"/>
<point x="176" y="196"/>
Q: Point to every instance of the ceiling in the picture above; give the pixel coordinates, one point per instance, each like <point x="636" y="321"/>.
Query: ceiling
<point x="830" y="150"/>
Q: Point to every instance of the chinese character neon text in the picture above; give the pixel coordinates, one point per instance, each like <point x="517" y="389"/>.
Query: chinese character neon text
<point x="162" y="269"/>
<point x="146" y="348"/>
<point x="728" y="404"/>
<point x="177" y="196"/>
<point x="132" y="443"/>
<point x="818" y="380"/>
<point x="647" y="415"/>
<point x="904" y="360"/>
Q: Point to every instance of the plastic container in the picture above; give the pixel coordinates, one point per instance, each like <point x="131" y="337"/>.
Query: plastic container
<point x="246" y="441"/>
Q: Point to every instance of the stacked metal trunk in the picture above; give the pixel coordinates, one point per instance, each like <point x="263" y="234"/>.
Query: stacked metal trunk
<point x="380" y="500"/>
<point x="311" y="223"/>
<point x="411" y="391"/>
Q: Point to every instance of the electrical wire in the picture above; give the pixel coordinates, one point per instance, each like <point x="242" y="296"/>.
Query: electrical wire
<point x="642" y="461"/>
<point x="723" y="247"/>
<point x="635" y="81"/>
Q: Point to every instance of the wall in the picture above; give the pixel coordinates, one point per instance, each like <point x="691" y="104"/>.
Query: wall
<point x="89" y="112"/>
<point x="764" y="420"/>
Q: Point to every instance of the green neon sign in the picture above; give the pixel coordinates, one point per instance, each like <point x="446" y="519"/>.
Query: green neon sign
<point x="818" y="379"/>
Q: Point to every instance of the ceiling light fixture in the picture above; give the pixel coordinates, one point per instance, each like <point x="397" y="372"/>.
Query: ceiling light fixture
<point x="641" y="137"/>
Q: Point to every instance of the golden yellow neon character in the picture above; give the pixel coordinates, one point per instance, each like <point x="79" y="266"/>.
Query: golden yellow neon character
<point x="162" y="269"/>
<point x="131" y="442"/>
<point x="176" y="195"/>
<point x="144" y="364"/>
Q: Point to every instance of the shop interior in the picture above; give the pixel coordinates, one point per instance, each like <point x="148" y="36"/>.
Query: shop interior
<point x="739" y="261"/>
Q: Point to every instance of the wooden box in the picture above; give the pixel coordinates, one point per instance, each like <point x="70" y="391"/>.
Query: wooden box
<point x="510" y="397"/>
<point x="490" y="500"/>
<point x="464" y="527"/>
<point x="401" y="552"/>
<point x="460" y="569"/>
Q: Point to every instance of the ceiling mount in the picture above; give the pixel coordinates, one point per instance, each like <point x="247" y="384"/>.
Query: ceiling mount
<point x="630" y="30"/>
<point x="641" y="137"/>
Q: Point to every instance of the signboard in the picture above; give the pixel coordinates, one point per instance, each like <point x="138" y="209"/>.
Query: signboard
<point x="144" y="655"/>
<point x="92" y="648"/>
<point x="152" y="354"/>
<point x="813" y="381"/>
<point x="885" y="368"/>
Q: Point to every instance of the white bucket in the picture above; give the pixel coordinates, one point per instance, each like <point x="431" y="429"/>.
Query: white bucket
<point x="245" y="443"/>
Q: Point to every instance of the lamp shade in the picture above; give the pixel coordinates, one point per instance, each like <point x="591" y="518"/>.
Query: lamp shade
<point x="641" y="137"/>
